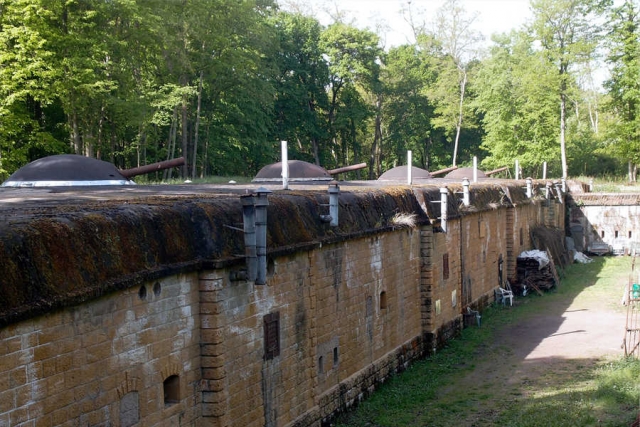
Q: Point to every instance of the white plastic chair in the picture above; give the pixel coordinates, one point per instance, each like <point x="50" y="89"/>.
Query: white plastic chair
<point x="505" y="295"/>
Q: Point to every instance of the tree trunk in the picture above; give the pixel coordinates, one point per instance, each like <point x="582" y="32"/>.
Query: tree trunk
<point x="185" y="138"/>
<point x="171" y="145"/>
<point x="76" y="141"/>
<point x="563" y="127"/>
<point x="316" y="150"/>
<point x="195" y="139"/>
<point x="375" y="169"/>
<point x="205" y="164"/>
<point x="463" y="85"/>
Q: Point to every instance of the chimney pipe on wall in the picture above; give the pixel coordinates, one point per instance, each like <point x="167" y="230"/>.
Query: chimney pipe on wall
<point x="261" y="234"/>
<point x="249" y="221"/>
<point x="558" y="190"/>
<point x="443" y="208"/>
<point x="334" y="193"/>
<point x="475" y="169"/>
<point x="529" y="187"/>
<point x="465" y="192"/>
<point x="409" y="164"/>
<point x="285" y="165"/>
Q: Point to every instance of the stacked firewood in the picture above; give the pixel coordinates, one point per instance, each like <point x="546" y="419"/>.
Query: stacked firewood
<point x="533" y="277"/>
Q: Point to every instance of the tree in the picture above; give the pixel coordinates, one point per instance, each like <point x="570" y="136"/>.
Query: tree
<point x="567" y="32"/>
<point x="408" y="111"/>
<point x="458" y="41"/>
<point x="301" y="99"/>
<point x="352" y="55"/>
<point x="624" y="85"/>
<point x="516" y="96"/>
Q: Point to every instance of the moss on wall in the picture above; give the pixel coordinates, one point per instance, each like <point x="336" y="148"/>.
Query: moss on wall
<point x="64" y="254"/>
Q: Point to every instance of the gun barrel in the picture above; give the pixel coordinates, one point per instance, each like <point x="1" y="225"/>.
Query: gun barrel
<point x="347" y="169"/>
<point x="167" y="164"/>
<point x="441" y="171"/>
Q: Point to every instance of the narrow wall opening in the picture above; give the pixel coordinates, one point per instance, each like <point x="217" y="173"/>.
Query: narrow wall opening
<point x="171" y="388"/>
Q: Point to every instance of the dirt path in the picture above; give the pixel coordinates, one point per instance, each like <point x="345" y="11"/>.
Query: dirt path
<point x="563" y="337"/>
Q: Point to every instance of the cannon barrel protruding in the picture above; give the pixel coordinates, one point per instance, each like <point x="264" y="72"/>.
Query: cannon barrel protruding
<point x="502" y="169"/>
<point x="441" y="171"/>
<point x="166" y="164"/>
<point x="347" y="169"/>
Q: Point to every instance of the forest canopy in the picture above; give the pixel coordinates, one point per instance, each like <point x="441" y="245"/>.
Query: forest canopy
<point x="222" y="82"/>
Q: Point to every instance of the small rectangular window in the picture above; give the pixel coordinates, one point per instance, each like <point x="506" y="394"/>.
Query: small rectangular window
<point x="445" y="266"/>
<point x="629" y="234"/>
<point x="616" y="234"/>
<point x="602" y="234"/>
<point x="271" y="335"/>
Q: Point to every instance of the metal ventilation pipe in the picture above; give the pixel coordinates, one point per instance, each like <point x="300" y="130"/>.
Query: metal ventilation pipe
<point x="475" y="169"/>
<point x="529" y="187"/>
<point x="409" y="165"/>
<point x="564" y="185"/>
<point x="443" y="208"/>
<point x="465" y="192"/>
<point x="285" y="164"/>
<point x="261" y="234"/>
<point x="547" y="193"/>
<point x="334" y="193"/>
<point x="558" y="190"/>
<point x="249" y="222"/>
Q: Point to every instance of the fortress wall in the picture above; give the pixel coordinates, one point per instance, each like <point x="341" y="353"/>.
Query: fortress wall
<point x="342" y="309"/>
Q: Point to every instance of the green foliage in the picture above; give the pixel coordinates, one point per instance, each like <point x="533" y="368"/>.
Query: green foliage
<point x="220" y="82"/>
<point x="518" y="104"/>
<point x="624" y="84"/>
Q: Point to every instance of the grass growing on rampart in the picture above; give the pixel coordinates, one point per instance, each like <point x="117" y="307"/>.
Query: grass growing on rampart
<point x="446" y="390"/>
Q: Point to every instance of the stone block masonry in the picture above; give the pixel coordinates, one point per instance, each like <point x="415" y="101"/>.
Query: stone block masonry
<point x="106" y="362"/>
<point x="178" y="336"/>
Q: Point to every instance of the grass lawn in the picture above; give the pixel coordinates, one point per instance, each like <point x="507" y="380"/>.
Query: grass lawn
<point x="469" y="382"/>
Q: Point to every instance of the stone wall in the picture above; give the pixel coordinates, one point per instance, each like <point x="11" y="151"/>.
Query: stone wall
<point x="130" y="358"/>
<point x="338" y="310"/>
<point x="613" y="220"/>
<point x="198" y="344"/>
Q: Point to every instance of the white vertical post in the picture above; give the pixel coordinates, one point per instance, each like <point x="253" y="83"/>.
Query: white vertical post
<point x="544" y="170"/>
<point x="517" y="174"/>
<point x="409" y="164"/>
<point x="443" y="208"/>
<point x="529" y="187"/>
<point x="475" y="169"/>
<point x="285" y="165"/>
<point x="334" y="193"/>
<point x="466" y="200"/>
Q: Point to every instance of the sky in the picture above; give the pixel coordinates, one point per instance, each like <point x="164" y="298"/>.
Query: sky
<point x="494" y="16"/>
